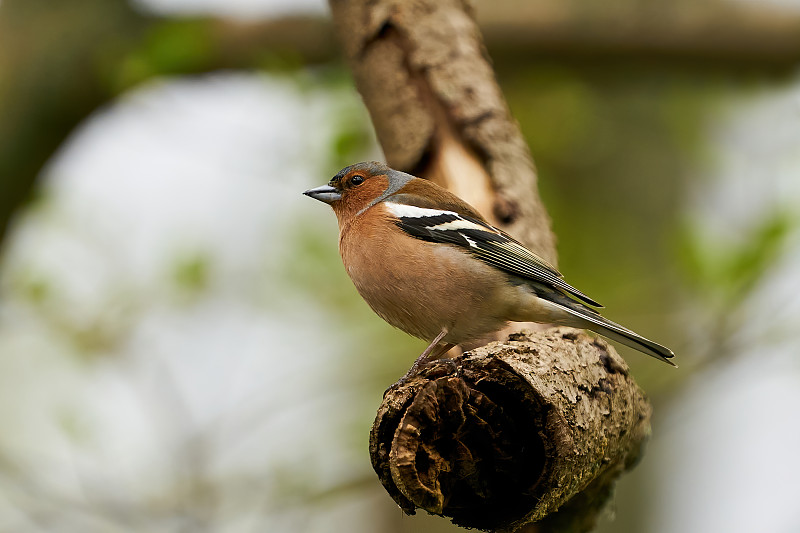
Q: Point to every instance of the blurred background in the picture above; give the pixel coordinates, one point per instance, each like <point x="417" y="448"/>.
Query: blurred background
<point x="181" y="350"/>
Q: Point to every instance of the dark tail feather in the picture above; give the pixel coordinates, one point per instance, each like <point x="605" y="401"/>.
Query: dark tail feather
<point x="615" y="332"/>
<point x="637" y="342"/>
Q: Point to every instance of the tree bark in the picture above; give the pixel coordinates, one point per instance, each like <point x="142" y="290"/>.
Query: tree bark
<point x="508" y="434"/>
<point x="423" y="72"/>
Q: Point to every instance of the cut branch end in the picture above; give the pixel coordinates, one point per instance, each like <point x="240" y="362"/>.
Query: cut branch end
<point x="506" y="434"/>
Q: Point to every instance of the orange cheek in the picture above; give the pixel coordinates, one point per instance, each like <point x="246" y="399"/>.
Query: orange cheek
<point x="356" y="199"/>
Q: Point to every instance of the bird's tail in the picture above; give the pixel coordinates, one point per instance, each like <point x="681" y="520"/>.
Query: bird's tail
<point x="593" y="321"/>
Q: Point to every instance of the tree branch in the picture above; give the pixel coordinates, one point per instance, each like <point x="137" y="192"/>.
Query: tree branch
<point x="507" y="434"/>
<point x="422" y="70"/>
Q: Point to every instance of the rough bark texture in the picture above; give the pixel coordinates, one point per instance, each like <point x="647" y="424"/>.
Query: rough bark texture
<point x="422" y="70"/>
<point x="509" y="433"/>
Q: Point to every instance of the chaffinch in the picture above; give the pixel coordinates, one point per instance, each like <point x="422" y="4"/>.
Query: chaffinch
<point x="429" y="264"/>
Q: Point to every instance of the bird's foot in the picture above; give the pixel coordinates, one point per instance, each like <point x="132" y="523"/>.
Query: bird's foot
<point x="449" y="367"/>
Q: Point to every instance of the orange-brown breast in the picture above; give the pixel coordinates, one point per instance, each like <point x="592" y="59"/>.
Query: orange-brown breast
<point x="422" y="287"/>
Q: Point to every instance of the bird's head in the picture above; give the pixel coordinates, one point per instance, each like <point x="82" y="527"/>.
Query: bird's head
<point x="358" y="187"/>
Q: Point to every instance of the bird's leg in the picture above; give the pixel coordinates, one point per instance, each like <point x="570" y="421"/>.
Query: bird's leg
<point x="439" y="351"/>
<point x="432" y="352"/>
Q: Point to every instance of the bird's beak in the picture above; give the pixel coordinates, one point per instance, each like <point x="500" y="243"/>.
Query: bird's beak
<point x="324" y="193"/>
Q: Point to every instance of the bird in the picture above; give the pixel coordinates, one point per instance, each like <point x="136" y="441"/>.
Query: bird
<point x="431" y="265"/>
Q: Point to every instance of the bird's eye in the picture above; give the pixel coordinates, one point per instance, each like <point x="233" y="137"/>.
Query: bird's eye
<point x="357" y="180"/>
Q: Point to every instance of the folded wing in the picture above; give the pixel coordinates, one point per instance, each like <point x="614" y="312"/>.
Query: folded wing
<point x="482" y="240"/>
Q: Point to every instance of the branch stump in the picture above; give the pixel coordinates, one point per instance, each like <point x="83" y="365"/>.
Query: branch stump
<point x="506" y="434"/>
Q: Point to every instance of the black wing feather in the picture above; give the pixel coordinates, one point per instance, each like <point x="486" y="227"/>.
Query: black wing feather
<point x="490" y="245"/>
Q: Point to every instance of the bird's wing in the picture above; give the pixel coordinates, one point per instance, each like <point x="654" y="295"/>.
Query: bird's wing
<point x="482" y="240"/>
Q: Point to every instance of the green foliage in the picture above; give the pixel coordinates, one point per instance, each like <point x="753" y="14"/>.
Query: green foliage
<point x="33" y="289"/>
<point x="284" y="60"/>
<point x="729" y="271"/>
<point x="559" y="114"/>
<point x="353" y="137"/>
<point x="168" y="47"/>
<point x="350" y="141"/>
<point x="192" y="273"/>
